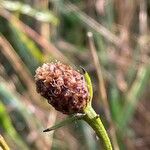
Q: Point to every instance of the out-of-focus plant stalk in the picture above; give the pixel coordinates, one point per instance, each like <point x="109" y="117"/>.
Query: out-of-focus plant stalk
<point x="3" y="144"/>
<point x="102" y="90"/>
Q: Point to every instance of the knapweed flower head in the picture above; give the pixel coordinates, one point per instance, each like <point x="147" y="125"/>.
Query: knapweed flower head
<point x="63" y="87"/>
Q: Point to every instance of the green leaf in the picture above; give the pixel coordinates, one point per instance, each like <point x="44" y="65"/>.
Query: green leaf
<point x="68" y="120"/>
<point x="44" y="16"/>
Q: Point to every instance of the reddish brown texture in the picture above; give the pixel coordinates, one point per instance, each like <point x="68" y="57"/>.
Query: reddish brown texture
<point x="63" y="87"/>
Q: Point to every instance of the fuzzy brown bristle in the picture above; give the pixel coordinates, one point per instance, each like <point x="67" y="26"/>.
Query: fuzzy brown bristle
<point x="63" y="87"/>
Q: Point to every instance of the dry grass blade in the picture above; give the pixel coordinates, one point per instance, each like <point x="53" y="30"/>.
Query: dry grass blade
<point x="3" y="144"/>
<point x="143" y="71"/>
<point x="90" y="22"/>
<point x="32" y="123"/>
<point x="102" y="90"/>
<point x="133" y="95"/>
<point x="43" y="42"/>
<point x="99" y="74"/>
<point x="143" y="18"/>
<point x="20" y="69"/>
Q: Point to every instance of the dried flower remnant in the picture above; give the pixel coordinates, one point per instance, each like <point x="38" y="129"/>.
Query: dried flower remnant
<point x="71" y="93"/>
<point x="63" y="87"/>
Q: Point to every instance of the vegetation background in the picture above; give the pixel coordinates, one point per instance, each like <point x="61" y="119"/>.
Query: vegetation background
<point x="109" y="38"/>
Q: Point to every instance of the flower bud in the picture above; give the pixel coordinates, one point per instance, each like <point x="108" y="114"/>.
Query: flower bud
<point x="63" y="87"/>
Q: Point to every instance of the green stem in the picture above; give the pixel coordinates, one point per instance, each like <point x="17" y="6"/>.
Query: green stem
<point x="95" y="122"/>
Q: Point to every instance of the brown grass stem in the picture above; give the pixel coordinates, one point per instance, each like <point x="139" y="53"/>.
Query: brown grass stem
<point x="102" y="89"/>
<point x="20" y="69"/>
<point x="93" y="24"/>
<point x="48" y="47"/>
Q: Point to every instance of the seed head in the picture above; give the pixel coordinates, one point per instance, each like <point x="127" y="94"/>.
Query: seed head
<point x="63" y="87"/>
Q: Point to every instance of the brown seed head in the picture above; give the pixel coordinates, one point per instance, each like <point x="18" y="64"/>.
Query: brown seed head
<point x="63" y="87"/>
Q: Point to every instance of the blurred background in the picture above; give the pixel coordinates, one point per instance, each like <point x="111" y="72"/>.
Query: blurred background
<point x="109" y="38"/>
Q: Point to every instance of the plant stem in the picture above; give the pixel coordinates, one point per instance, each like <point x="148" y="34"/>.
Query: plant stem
<point x="95" y="122"/>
